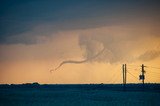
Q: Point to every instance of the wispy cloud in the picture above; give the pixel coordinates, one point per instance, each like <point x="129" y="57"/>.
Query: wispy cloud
<point x="149" y="55"/>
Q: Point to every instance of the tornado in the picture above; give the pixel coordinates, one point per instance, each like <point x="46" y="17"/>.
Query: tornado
<point x="78" y="62"/>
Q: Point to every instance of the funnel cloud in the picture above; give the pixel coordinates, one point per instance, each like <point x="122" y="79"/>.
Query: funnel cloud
<point x="78" y="62"/>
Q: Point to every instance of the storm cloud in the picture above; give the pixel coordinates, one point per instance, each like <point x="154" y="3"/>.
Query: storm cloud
<point x="120" y="45"/>
<point x="23" y="22"/>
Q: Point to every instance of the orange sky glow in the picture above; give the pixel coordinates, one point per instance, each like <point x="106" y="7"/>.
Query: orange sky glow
<point x="129" y="36"/>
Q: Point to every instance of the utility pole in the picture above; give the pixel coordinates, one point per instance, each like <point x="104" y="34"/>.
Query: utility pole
<point x="142" y="76"/>
<point x="123" y="73"/>
<point x="124" y="69"/>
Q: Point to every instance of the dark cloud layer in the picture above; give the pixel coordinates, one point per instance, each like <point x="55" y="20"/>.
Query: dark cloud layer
<point x="18" y="17"/>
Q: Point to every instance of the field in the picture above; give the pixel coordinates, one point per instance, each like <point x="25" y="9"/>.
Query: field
<point x="80" y="95"/>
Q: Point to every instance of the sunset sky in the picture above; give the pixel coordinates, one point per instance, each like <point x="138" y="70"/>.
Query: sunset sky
<point x="38" y="35"/>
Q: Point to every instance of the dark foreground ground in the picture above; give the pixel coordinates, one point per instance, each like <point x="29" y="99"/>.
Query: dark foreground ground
<point x="80" y="95"/>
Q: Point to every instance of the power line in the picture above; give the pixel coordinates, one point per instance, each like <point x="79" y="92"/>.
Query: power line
<point x="137" y="71"/>
<point x="132" y="75"/>
<point x="153" y="67"/>
<point x="116" y="78"/>
<point x="112" y="77"/>
<point x="134" y="65"/>
<point x="154" y="72"/>
<point x="153" y="76"/>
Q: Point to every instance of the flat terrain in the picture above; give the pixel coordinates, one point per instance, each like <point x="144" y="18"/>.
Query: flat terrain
<point x="79" y="95"/>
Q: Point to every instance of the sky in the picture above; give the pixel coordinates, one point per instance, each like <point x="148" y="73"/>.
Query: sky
<point x="79" y="41"/>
